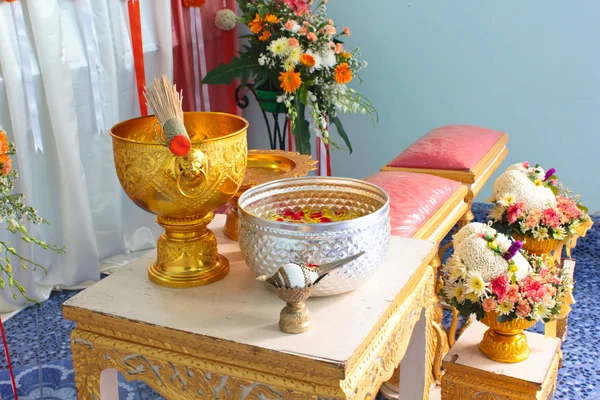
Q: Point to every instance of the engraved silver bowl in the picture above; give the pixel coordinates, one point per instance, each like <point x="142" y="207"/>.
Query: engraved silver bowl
<point x="267" y="245"/>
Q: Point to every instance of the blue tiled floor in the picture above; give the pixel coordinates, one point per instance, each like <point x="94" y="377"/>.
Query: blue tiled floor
<point x="39" y="336"/>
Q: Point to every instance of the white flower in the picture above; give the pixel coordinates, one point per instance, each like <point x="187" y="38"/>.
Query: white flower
<point x="523" y="266"/>
<point x="263" y="59"/>
<point x="329" y="59"/>
<point x="294" y="54"/>
<point x="475" y="284"/>
<point x="523" y="226"/>
<point x="295" y="27"/>
<point x="288" y="64"/>
<point x="497" y="212"/>
<point x="540" y="233"/>
<point x="279" y="47"/>
<point x="503" y="242"/>
<point x="472" y="297"/>
<point x="540" y="312"/>
<point x="559" y="233"/>
<point x="456" y="291"/>
<point x="574" y="227"/>
<point x="505" y="308"/>
<point x="506" y="199"/>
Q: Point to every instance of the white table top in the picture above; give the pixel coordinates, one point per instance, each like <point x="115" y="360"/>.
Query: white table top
<point x="243" y="310"/>
<point x="534" y="369"/>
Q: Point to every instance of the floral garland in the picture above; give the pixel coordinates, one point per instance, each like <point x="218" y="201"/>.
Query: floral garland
<point x="13" y="213"/>
<point x="554" y="220"/>
<point x="536" y="296"/>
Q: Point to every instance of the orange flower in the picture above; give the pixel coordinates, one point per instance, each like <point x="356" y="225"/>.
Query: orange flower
<point x="264" y="36"/>
<point x="290" y="81"/>
<point x="6" y="165"/>
<point x="3" y="142"/>
<point x="343" y="74"/>
<point x="307" y="60"/>
<point x="256" y="25"/>
<point x="271" y="19"/>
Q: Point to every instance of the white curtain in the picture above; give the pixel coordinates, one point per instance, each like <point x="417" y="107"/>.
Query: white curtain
<point x="73" y="182"/>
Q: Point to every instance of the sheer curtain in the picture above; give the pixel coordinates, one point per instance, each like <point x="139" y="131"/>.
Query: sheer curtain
<point x="72" y="183"/>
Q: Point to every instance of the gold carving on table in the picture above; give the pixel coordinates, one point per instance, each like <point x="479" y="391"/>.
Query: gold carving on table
<point x="465" y="383"/>
<point x="266" y="166"/>
<point x="505" y="341"/>
<point x="183" y="191"/>
<point x="181" y="365"/>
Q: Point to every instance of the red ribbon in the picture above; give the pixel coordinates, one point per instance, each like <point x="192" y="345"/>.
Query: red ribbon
<point x="135" y="25"/>
<point x="10" y="371"/>
<point x="290" y="135"/>
<point x="328" y="158"/>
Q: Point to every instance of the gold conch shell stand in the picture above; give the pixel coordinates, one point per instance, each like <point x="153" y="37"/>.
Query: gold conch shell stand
<point x="183" y="191"/>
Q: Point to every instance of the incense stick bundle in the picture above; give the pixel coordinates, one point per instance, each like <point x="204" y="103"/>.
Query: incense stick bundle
<point x="167" y="104"/>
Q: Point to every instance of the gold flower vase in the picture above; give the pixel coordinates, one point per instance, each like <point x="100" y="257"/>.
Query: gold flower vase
<point x="538" y="247"/>
<point x="505" y="341"/>
<point x="183" y="191"/>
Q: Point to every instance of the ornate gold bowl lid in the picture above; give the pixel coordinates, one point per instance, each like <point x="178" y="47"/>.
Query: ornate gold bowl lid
<point x="269" y="165"/>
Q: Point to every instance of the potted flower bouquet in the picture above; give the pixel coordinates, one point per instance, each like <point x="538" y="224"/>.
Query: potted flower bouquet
<point x="533" y="206"/>
<point x="508" y="290"/>
<point x="297" y="63"/>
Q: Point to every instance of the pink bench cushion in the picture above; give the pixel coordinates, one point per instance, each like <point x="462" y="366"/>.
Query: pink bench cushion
<point x="414" y="198"/>
<point x="452" y="147"/>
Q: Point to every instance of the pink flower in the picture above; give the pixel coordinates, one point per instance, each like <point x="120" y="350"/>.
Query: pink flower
<point x="513" y="294"/>
<point x="514" y="211"/>
<point x="311" y="36"/>
<point x="500" y="287"/>
<point x="293" y="42"/>
<point x="290" y="25"/>
<point x="523" y="309"/>
<point x="346" y="31"/>
<point x="330" y="30"/>
<point x="533" y="219"/>
<point x="339" y="48"/>
<point x="526" y="164"/>
<point x="303" y="31"/>
<point x="550" y="290"/>
<point x="298" y="6"/>
<point x="551" y="217"/>
<point x="489" y="304"/>
<point x="553" y="182"/>
<point x="533" y="289"/>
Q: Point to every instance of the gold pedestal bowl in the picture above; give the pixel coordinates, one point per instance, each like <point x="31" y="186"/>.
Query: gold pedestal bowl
<point x="505" y="342"/>
<point x="266" y="166"/>
<point x="183" y="191"/>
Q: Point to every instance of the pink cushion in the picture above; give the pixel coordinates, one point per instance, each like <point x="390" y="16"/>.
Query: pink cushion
<point x="414" y="198"/>
<point x="453" y="147"/>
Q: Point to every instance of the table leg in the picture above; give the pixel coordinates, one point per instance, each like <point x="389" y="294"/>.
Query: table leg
<point x="109" y="384"/>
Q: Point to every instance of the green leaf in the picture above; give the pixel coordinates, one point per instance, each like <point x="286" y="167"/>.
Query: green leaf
<point x="225" y="74"/>
<point x="262" y="11"/>
<point x="554" y="190"/>
<point x="583" y="208"/>
<point x="248" y="36"/>
<point x="304" y="95"/>
<point x="342" y="132"/>
<point x="301" y="130"/>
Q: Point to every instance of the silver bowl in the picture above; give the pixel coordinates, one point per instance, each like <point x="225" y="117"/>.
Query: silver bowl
<point x="267" y="245"/>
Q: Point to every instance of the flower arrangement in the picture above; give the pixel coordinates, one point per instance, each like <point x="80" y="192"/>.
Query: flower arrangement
<point x="531" y="202"/>
<point x="488" y="272"/>
<point x="296" y="51"/>
<point x="13" y="213"/>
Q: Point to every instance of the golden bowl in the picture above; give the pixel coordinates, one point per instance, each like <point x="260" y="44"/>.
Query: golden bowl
<point x="183" y="191"/>
<point x="505" y="341"/>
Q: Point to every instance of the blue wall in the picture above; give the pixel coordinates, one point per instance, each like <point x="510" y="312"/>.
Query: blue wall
<point x="531" y="69"/>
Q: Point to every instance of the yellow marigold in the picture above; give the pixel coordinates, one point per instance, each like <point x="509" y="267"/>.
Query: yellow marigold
<point x="256" y="25"/>
<point x="3" y="142"/>
<point x="264" y="36"/>
<point x="271" y="19"/>
<point x="343" y="74"/>
<point x="290" y="81"/>
<point x="346" y="55"/>
<point x="307" y="60"/>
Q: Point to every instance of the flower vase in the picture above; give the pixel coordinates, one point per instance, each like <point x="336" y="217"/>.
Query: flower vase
<point x="268" y="101"/>
<point x="505" y="341"/>
<point x="538" y="247"/>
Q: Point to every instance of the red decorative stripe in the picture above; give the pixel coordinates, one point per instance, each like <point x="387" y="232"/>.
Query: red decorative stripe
<point x="135" y="25"/>
<point x="328" y="156"/>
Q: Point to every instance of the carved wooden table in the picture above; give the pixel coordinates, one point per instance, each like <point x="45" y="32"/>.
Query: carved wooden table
<point x="222" y="341"/>
<point x="470" y="375"/>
